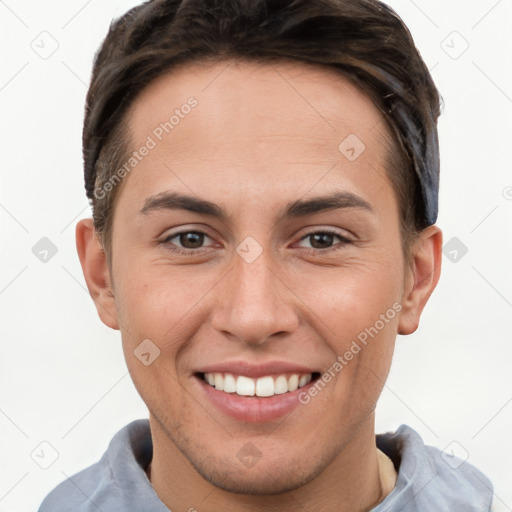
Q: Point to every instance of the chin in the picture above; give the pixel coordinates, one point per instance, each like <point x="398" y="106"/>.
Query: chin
<point x="262" y="479"/>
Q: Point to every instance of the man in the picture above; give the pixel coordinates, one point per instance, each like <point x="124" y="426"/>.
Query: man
<point x="264" y="181"/>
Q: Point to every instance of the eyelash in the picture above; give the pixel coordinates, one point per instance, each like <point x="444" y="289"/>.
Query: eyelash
<point x="202" y="250"/>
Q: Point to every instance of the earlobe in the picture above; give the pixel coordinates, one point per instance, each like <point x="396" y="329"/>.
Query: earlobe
<point x="425" y="272"/>
<point x="96" y="272"/>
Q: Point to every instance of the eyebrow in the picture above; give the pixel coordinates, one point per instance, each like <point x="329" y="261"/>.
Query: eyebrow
<point x="294" y="209"/>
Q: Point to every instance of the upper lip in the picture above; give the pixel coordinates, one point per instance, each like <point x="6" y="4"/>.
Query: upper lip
<point x="256" y="370"/>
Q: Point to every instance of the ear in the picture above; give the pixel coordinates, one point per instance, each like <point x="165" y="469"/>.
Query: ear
<point x="97" y="275"/>
<point x="422" y="278"/>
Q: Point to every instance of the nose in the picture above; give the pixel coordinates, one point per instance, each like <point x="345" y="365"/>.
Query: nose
<point x="255" y="303"/>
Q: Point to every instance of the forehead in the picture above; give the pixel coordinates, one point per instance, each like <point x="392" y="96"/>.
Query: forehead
<point x="245" y="91"/>
<point x="256" y="126"/>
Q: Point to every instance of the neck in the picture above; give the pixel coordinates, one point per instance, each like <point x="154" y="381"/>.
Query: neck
<point x="351" y="482"/>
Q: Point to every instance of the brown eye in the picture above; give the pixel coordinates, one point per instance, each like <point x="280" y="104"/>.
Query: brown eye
<point x="191" y="239"/>
<point x="322" y="242"/>
<point x="186" y="242"/>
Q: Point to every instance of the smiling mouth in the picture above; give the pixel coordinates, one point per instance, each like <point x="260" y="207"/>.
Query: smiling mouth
<point x="261" y="387"/>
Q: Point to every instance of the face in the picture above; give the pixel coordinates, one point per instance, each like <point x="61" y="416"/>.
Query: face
<point x="282" y="266"/>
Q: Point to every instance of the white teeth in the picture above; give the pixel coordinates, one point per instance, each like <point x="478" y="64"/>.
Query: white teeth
<point x="244" y="386"/>
<point x="219" y="381"/>
<point x="293" y="383"/>
<point x="304" y="379"/>
<point x="264" y="386"/>
<point x="229" y="383"/>
<point x="281" y="385"/>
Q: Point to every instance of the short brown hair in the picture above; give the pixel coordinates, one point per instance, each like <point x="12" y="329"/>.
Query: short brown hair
<point x="365" y="40"/>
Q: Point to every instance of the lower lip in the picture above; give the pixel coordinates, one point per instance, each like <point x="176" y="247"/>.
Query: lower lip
<point x="253" y="409"/>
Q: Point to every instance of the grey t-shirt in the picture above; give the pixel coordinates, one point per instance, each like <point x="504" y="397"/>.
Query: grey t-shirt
<point x="428" y="480"/>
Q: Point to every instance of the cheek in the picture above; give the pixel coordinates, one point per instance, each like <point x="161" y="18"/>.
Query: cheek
<point x="359" y="310"/>
<point x="156" y="308"/>
<point x="351" y="297"/>
<point x="163" y="303"/>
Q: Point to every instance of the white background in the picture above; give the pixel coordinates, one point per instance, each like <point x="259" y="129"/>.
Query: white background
<point x="63" y="376"/>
